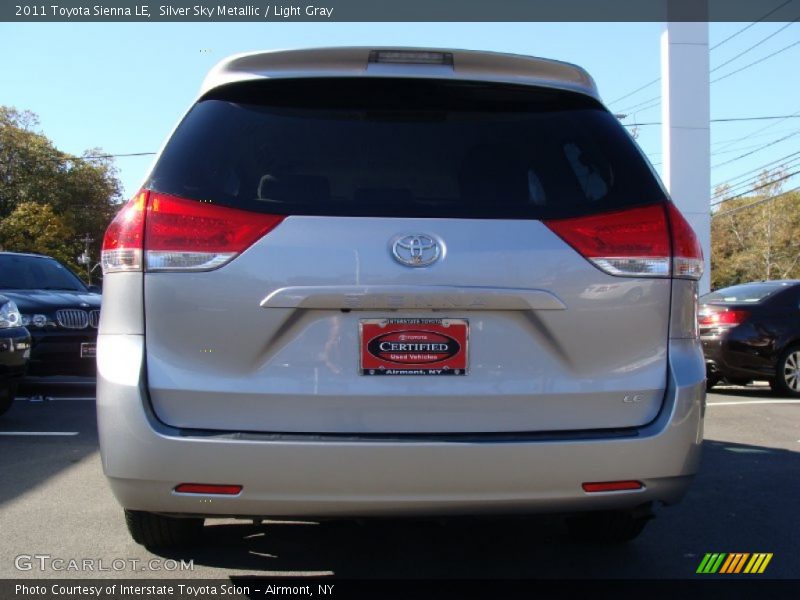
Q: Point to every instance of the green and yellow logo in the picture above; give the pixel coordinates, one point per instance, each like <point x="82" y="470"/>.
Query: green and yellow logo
<point x="736" y="562"/>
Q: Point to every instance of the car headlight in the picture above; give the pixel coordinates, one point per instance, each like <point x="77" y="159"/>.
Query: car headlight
<point x="34" y="320"/>
<point x="9" y="315"/>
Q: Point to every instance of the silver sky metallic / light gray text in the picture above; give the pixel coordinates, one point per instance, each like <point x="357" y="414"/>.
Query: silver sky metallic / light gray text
<point x="250" y="10"/>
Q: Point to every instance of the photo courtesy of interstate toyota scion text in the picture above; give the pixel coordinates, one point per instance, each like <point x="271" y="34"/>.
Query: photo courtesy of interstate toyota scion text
<point x="374" y="282"/>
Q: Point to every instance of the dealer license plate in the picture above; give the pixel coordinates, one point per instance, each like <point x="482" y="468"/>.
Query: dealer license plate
<point x="88" y="350"/>
<point x="414" y="346"/>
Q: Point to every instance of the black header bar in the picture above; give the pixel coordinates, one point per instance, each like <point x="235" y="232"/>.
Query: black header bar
<point x="398" y="10"/>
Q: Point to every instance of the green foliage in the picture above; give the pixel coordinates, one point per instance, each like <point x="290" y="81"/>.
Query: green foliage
<point x="47" y="193"/>
<point x="758" y="242"/>
<point x="33" y="227"/>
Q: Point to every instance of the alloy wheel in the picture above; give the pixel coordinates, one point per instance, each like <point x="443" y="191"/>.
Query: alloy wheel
<point x="791" y="371"/>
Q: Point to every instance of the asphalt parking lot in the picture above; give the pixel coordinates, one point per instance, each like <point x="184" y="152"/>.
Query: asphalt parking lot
<point x="54" y="501"/>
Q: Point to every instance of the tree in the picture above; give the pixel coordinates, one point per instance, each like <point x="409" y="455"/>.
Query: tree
<point x="66" y="195"/>
<point x="33" y="227"/>
<point x="754" y="237"/>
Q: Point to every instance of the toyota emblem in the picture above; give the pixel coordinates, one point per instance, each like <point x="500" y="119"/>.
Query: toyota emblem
<point x="416" y="250"/>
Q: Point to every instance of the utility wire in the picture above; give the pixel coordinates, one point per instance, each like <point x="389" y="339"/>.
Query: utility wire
<point x="714" y="47"/>
<point x="92" y="157"/>
<point x="742" y="185"/>
<point x="99" y="156"/>
<point x="753" y="177"/>
<point x="753" y="134"/>
<point x="639" y="89"/>
<point x="755" y="189"/>
<point x="716" y="151"/>
<point x="633" y="108"/>
<point x="728" y="120"/>
<point x="753" y="47"/>
<point x="654" y="101"/>
<point x="653" y="104"/>
<point x="756" y="62"/>
<point x="752" y="204"/>
<point x="732" y="150"/>
<point x="746" y="27"/>
<point x="759" y="149"/>
<point x="753" y="180"/>
<point x="761" y="168"/>
<point x="758" y="133"/>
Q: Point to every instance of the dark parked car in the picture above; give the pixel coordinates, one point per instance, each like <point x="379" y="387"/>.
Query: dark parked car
<point x="15" y="348"/>
<point x="58" y="309"/>
<point x="752" y="331"/>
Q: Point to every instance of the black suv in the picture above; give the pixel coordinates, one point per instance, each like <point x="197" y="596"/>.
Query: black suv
<point x="58" y="309"/>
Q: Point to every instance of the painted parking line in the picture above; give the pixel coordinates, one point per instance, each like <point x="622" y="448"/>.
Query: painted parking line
<point x="48" y="433"/>
<point x="742" y="402"/>
<point x="55" y="399"/>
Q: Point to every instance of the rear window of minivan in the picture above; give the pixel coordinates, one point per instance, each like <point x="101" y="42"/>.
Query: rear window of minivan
<point x="404" y="148"/>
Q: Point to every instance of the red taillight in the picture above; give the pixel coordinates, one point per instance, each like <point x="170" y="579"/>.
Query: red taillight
<point x="208" y="488"/>
<point x="722" y="318"/>
<point x="178" y="234"/>
<point x="612" y="486"/>
<point x="635" y="242"/>
<point x="188" y="234"/>
<point x="124" y="238"/>
<point x="687" y="254"/>
<point x="632" y="242"/>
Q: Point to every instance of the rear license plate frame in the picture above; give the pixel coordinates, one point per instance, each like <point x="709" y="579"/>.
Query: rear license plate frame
<point x="448" y="338"/>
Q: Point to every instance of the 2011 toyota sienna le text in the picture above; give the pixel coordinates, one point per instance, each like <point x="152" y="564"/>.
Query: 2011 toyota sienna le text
<point x="366" y="282"/>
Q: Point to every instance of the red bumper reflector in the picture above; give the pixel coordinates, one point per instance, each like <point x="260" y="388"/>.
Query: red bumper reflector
<point x="612" y="486"/>
<point x="208" y="488"/>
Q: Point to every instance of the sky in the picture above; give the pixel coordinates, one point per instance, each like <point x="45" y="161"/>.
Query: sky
<point x="122" y="87"/>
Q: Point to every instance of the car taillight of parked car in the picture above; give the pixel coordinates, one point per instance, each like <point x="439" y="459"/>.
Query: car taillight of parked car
<point x="721" y="318"/>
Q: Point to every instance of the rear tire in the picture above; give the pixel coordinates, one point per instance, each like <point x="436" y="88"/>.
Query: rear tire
<point x="7" y="393"/>
<point x="156" y="531"/>
<point x="787" y="373"/>
<point x="609" y="527"/>
<point x="711" y="381"/>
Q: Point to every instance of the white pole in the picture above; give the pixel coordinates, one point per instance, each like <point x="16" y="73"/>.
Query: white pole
<point x="685" y="131"/>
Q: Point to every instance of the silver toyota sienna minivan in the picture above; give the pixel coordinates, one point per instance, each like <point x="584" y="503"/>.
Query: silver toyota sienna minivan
<point x="380" y="282"/>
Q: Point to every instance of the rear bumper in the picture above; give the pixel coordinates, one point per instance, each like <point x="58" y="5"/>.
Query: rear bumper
<point x="15" y="344"/>
<point x="328" y="477"/>
<point x="712" y="352"/>
<point x="58" y="354"/>
<point x="734" y="364"/>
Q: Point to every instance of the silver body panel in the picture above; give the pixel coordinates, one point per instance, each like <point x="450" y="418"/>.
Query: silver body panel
<point x="232" y="350"/>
